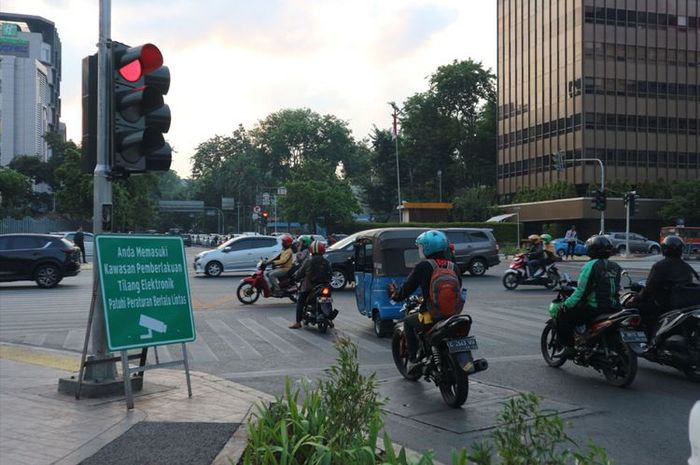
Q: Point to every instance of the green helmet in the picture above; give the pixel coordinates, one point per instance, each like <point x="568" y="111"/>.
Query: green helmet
<point x="305" y="241"/>
<point x="546" y="238"/>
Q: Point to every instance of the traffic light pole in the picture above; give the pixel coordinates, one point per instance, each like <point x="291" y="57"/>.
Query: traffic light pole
<point x="627" y="226"/>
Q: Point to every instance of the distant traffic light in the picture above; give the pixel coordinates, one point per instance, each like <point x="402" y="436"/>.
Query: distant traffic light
<point x="599" y="201"/>
<point x="139" y="115"/>
<point x="557" y="161"/>
<point x="631" y="202"/>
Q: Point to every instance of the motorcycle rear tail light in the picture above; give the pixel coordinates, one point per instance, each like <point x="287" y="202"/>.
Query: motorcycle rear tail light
<point x="326" y="291"/>
<point x="633" y="321"/>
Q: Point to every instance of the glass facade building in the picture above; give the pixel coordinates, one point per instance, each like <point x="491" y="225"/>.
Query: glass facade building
<point x="616" y="80"/>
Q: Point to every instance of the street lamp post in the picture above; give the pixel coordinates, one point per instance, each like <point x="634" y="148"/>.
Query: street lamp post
<point x="517" y="219"/>
<point x="395" y="133"/>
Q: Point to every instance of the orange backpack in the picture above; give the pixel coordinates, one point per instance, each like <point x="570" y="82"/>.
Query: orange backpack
<point x="444" y="299"/>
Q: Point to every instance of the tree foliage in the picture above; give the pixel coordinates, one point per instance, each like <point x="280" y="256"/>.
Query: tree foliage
<point x="15" y="189"/>
<point x="475" y="203"/>
<point x="684" y="203"/>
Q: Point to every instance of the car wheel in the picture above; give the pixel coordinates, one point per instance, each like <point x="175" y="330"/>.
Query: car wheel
<point x="383" y="327"/>
<point x="47" y="276"/>
<point x="213" y="269"/>
<point x="561" y="253"/>
<point x="338" y="280"/>
<point x="654" y="250"/>
<point x="477" y="267"/>
<point x="621" y="249"/>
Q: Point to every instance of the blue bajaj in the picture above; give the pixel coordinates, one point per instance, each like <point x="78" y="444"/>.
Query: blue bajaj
<point x="383" y="256"/>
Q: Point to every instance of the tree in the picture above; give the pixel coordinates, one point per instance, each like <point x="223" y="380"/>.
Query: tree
<point x="74" y="190"/>
<point x="685" y="199"/>
<point x="15" y="190"/>
<point x="475" y="203"/>
<point x="316" y="194"/>
<point x="379" y="182"/>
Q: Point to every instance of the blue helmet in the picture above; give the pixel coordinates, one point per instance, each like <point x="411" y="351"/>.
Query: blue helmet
<point x="432" y="242"/>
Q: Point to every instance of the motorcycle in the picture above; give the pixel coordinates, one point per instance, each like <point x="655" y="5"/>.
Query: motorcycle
<point x="674" y="337"/>
<point x="446" y="349"/>
<point x="518" y="274"/>
<point x="608" y="344"/>
<point x="318" y="309"/>
<point x="250" y="288"/>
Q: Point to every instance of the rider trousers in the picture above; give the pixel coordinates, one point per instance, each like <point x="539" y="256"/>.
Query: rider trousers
<point x="568" y="320"/>
<point x="411" y="326"/>
<point x="301" y="302"/>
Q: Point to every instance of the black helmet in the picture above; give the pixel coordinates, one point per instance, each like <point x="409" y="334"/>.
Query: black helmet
<point x="599" y="247"/>
<point x="672" y="246"/>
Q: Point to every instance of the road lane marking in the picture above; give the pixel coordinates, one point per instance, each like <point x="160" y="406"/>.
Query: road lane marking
<point x="40" y="357"/>
<point x="268" y="336"/>
<point x="242" y="348"/>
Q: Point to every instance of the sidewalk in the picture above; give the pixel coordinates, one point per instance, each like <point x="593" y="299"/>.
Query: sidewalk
<point x="40" y="426"/>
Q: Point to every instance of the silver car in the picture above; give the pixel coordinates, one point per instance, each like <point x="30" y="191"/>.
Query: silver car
<point x="241" y="253"/>
<point x="638" y="243"/>
<point x="476" y="249"/>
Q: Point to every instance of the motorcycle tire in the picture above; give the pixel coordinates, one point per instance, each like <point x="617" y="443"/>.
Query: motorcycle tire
<point x="548" y="344"/>
<point x="247" y="294"/>
<point x="294" y="297"/>
<point x="322" y="327"/>
<point x="624" y="368"/>
<point x="400" y="354"/>
<point x="511" y="281"/>
<point x="693" y="373"/>
<point x="454" y="385"/>
<point x="553" y="280"/>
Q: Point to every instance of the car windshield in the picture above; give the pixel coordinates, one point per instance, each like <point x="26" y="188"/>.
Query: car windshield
<point x="342" y="243"/>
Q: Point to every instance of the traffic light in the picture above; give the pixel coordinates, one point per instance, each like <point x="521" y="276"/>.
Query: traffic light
<point x="631" y="202"/>
<point x="139" y="116"/>
<point x="264" y="217"/>
<point x="557" y="161"/>
<point x="599" y="201"/>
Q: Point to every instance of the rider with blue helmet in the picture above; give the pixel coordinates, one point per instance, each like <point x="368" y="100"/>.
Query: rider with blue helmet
<point x="433" y="248"/>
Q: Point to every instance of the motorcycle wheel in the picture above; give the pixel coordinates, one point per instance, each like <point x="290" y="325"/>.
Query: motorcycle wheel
<point x="294" y="297"/>
<point x="400" y="354"/>
<point x="548" y="344"/>
<point x="322" y="327"/>
<point x="624" y="363"/>
<point x="247" y="294"/>
<point x="553" y="280"/>
<point x="511" y="281"/>
<point x="454" y="386"/>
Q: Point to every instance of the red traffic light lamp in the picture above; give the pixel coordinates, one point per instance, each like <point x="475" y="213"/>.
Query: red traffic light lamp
<point x="139" y="114"/>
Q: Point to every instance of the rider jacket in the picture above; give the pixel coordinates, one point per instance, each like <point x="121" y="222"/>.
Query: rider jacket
<point x="420" y="276"/>
<point x="598" y="286"/>
<point x="304" y="272"/>
<point x="284" y="259"/>
<point x="535" y="252"/>
<point x="664" y="275"/>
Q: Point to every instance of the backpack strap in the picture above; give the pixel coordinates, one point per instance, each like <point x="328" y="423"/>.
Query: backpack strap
<point x="433" y="263"/>
<point x="695" y="273"/>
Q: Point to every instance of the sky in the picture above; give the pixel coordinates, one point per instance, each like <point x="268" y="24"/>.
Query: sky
<point x="237" y="61"/>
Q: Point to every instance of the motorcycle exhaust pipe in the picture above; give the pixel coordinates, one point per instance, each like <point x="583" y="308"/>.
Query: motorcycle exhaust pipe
<point x="480" y="365"/>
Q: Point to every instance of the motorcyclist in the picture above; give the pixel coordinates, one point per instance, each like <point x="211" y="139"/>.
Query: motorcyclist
<point x="311" y="273"/>
<point x="301" y="255"/>
<point x="432" y="245"/>
<point x="535" y="254"/>
<point x="549" y="250"/>
<point x="596" y="294"/>
<point x="282" y="263"/>
<point x="671" y="271"/>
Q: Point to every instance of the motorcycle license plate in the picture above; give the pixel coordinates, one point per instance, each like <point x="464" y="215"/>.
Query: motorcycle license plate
<point x="325" y="300"/>
<point x="633" y="336"/>
<point x="462" y="345"/>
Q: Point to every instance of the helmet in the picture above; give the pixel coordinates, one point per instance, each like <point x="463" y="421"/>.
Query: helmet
<point x="432" y="242"/>
<point x="286" y="240"/>
<point x="546" y="238"/>
<point x="534" y="238"/>
<point x="599" y="247"/>
<point x="305" y="241"/>
<point x="317" y="248"/>
<point x="672" y="246"/>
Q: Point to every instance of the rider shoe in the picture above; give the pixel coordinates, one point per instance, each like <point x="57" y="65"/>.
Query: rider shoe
<point x="296" y="325"/>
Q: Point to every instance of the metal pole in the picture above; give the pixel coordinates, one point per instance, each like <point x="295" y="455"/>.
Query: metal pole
<point x="238" y="217"/>
<point x="396" y="139"/>
<point x="440" y="183"/>
<point x="602" y="186"/>
<point x="627" y="226"/>
<point x="275" y="203"/>
<point x="517" y="239"/>
<point x="102" y="187"/>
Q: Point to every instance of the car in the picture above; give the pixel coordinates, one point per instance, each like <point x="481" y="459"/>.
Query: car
<point x="88" y="240"/>
<point x="341" y="255"/>
<point x="318" y="238"/>
<point x="43" y="258"/>
<point x="561" y="246"/>
<point x="694" y="434"/>
<point x="241" y="253"/>
<point x="638" y="243"/>
<point x="476" y="249"/>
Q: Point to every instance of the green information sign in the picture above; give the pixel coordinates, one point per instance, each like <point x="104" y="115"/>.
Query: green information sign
<point x="145" y="290"/>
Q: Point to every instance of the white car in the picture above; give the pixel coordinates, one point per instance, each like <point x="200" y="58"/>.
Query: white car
<point x="694" y="433"/>
<point x="241" y="253"/>
<point x="88" y="239"/>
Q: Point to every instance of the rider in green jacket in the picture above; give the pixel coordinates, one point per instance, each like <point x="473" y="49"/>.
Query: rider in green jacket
<point x="597" y="292"/>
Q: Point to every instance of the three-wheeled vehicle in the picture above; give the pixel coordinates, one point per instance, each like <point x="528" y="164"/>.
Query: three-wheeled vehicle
<point x="383" y="256"/>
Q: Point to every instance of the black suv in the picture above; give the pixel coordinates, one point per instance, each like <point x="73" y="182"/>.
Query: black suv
<point x="341" y="255"/>
<point x="37" y="257"/>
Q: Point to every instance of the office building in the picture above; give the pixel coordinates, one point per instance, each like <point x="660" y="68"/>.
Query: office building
<point x="30" y="77"/>
<point x="614" y="80"/>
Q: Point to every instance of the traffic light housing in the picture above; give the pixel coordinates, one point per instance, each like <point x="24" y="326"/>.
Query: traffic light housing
<point x="139" y="115"/>
<point x="263" y="218"/>
<point x="631" y="202"/>
<point x="599" y="201"/>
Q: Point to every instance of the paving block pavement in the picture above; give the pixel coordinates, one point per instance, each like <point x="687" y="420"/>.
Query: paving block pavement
<point x="40" y="426"/>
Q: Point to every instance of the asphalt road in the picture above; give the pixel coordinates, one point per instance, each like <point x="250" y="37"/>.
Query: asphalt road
<point x="645" y="424"/>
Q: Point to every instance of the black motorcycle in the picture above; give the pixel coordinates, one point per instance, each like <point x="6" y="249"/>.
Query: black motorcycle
<point x="318" y="309"/>
<point x="445" y="353"/>
<point x="608" y="344"/>
<point x="674" y="337"/>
